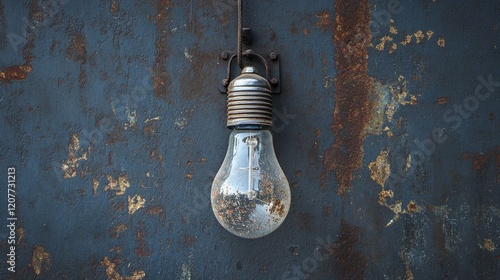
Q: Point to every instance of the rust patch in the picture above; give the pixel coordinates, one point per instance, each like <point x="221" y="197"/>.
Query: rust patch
<point x="352" y="37"/>
<point x="480" y="161"/>
<point x="442" y="100"/>
<point x="156" y="210"/>
<point x="156" y="155"/>
<point x="188" y="240"/>
<point x="143" y="250"/>
<point x="349" y="262"/>
<point x="323" y="22"/>
<point x="161" y="78"/>
<point x="40" y="260"/>
<point x="77" y="51"/>
<point x="115" y="231"/>
<point x="112" y="274"/>
<point x="114" y="6"/>
<point x="278" y="208"/>
<point x="16" y="73"/>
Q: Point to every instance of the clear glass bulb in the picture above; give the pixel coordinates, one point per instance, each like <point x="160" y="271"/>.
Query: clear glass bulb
<point x="250" y="193"/>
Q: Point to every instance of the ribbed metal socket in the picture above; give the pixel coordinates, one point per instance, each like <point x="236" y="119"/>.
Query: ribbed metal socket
<point x="249" y="100"/>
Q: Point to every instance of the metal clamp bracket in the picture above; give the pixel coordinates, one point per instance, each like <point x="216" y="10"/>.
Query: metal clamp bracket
<point x="269" y="67"/>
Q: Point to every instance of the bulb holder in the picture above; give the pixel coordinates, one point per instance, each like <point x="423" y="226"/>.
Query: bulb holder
<point x="249" y="101"/>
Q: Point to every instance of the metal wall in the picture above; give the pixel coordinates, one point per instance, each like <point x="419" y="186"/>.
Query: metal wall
<point x="386" y="127"/>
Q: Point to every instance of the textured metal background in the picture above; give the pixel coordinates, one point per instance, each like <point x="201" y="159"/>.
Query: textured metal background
<point x="111" y="115"/>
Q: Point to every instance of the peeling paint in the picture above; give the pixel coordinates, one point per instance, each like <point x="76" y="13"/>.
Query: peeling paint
<point x="441" y="42"/>
<point x="135" y="203"/>
<point x="131" y="118"/>
<point x="95" y="185"/>
<point x="187" y="55"/>
<point x="70" y="165"/>
<point x="118" y="185"/>
<point x="40" y="260"/>
<point x="112" y="274"/>
<point x="488" y="245"/>
<point x="380" y="170"/>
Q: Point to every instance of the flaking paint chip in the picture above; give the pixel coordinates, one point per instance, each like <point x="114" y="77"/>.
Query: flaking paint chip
<point x="118" y="185"/>
<point x="419" y="36"/>
<point x="135" y="203"/>
<point x="440" y="42"/>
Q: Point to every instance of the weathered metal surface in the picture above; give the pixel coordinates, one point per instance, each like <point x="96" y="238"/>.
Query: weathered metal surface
<point x="386" y="127"/>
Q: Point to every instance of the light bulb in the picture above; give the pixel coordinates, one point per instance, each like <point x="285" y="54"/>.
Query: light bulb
<point x="250" y="193"/>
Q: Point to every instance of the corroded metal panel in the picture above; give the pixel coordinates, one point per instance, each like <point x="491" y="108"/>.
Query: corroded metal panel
<point x="386" y="127"/>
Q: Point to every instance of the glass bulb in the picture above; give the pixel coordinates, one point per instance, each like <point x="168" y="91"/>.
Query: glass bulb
<point x="250" y="193"/>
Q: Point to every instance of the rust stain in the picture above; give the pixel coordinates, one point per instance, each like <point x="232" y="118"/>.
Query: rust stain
<point x="118" y="185"/>
<point x="77" y="51"/>
<point x="16" y="73"/>
<point x="135" y="203"/>
<point x="112" y="274"/>
<point x="188" y="240"/>
<point x="156" y="210"/>
<point x="352" y="37"/>
<point x="156" y="155"/>
<point x="114" y="6"/>
<point x="161" y="78"/>
<point x="350" y="263"/>
<point x="20" y="233"/>
<point x="143" y="250"/>
<point x="115" y="231"/>
<point x="70" y="165"/>
<point x="277" y="208"/>
<point x="480" y="161"/>
<point x="40" y="260"/>
<point x="442" y="100"/>
<point x="323" y="22"/>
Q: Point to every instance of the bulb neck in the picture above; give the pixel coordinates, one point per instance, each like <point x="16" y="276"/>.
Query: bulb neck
<point x="249" y="101"/>
<point x="250" y="127"/>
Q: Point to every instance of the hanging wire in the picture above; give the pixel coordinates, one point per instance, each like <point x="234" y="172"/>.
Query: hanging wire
<point x="240" y="28"/>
